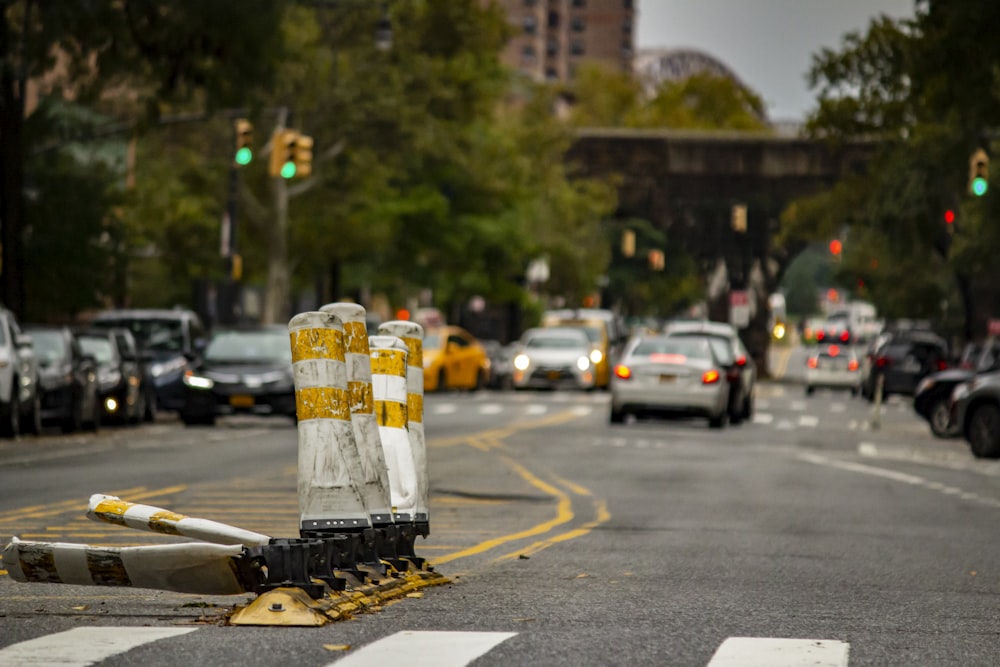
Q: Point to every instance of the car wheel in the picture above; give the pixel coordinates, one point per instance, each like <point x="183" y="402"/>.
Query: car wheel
<point x="10" y="427"/>
<point x="33" y="423"/>
<point x="810" y="390"/>
<point x="197" y="420"/>
<point x="939" y="418"/>
<point x="150" y="415"/>
<point x="94" y="423"/>
<point x="748" y="407"/>
<point x="984" y="431"/>
<point x="616" y="416"/>
<point x="480" y="380"/>
<point x="74" y="422"/>
<point x="442" y="384"/>
<point x="138" y="410"/>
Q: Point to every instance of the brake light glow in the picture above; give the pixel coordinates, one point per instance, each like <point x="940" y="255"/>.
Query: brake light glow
<point x="710" y="377"/>
<point x="741" y="360"/>
<point x="852" y="365"/>
<point x="820" y="335"/>
<point x="833" y="350"/>
<point x="666" y="358"/>
<point x="845" y="336"/>
<point x="622" y="371"/>
<point x="812" y="362"/>
<point x="882" y="362"/>
<point x="942" y="364"/>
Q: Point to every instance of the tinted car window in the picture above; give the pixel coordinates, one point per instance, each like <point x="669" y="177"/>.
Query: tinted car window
<point x="244" y="346"/>
<point x="165" y="335"/>
<point x="692" y="348"/>
<point x="50" y="347"/>
<point x="101" y="348"/>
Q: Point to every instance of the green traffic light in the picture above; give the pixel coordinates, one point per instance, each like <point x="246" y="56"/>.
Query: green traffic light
<point x="979" y="186"/>
<point x="288" y="170"/>
<point x="243" y="156"/>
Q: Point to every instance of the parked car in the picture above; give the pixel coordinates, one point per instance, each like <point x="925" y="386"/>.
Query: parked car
<point x="901" y="359"/>
<point x="932" y="397"/>
<point x="119" y="376"/>
<point x="975" y="410"/>
<point x="741" y="371"/>
<point x="833" y="367"/>
<point x="20" y="400"/>
<point x="244" y="370"/>
<point x="670" y="376"/>
<point x="67" y="380"/>
<point x="501" y="364"/>
<point x="454" y="359"/>
<point x="170" y="343"/>
<point x="555" y="357"/>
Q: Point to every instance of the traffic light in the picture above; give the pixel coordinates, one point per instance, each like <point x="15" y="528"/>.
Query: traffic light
<point x="656" y="260"/>
<point x="244" y="142"/>
<point x="949" y="217"/>
<point x="979" y="172"/>
<point x="628" y="243"/>
<point x="836" y="247"/>
<point x="302" y="155"/>
<point x="739" y="218"/>
<point x="282" y="161"/>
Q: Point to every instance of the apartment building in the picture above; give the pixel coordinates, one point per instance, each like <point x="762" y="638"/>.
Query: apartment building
<point x="552" y="37"/>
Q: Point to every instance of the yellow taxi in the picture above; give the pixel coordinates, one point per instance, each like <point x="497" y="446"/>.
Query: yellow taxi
<point x="600" y="327"/>
<point x="454" y="359"/>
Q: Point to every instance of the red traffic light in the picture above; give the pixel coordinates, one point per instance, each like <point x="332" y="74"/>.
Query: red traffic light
<point x="949" y="216"/>
<point x="835" y="247"/>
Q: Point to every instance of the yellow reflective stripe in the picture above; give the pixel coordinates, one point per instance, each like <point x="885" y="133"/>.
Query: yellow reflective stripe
<point x="322" y="403"/>
<point x="361" y="397"/>
<point x="389" y="362"/>
<point x="415" y="407"/>
<point x="416" y="346"/>
<point x="391" y="414"/>
<point x="317" y="344"/>
<point x="112" y="511"/>
<point x="163" y="522"/>
<point x="106" y="568"/>
<point x="356" y="337"/>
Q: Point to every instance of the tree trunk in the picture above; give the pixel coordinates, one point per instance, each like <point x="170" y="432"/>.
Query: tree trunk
<point x="276" y="293"/>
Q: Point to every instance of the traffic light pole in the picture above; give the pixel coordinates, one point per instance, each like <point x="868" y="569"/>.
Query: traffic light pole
<point x="230" y="308"/>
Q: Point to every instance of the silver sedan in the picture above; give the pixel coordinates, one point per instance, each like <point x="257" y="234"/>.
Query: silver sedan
<point x="555" y="357"/>
<point x="670" y="376"/>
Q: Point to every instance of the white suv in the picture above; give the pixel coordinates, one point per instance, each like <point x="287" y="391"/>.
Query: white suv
<point x="20" y="402"/>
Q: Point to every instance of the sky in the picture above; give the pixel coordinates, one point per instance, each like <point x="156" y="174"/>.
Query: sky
<point x="768" y="43"/>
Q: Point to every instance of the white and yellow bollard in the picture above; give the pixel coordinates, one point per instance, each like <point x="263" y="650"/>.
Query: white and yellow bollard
<point x="412" y="334"/>
<point x="196" y="567"/>
<point x="374" y="481"/>
<point x="389" y="355"/>
<point x="111" y="509"/>
<point x="328" y="500"/>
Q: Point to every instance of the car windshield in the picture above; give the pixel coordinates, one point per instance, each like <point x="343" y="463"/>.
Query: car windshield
<point x="721" y="346"/>
<point x="687" y="347"/>
<point x="50" y="347"/>
<point x="555" y="342"/>
<point x="101" y="348"/>
<point x="156" y="334"/>
<point x="249" y="346"/>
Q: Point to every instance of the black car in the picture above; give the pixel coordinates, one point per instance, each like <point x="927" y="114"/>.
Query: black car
<point x="932" y="399"/>
<point x="901" y="359"/>
<point x="170" y="343"/>
<point x="975" y="411"/>
<point x="119" y="376"/>
<point x="67" y="380"/>
<point x="242" y="371"/>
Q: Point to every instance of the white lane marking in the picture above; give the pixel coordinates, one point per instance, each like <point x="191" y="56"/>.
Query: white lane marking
<point x="582" y="410"/>
<point x="867" y="449"/>
<point x="785" y="425"/>
<point x="762" y="418"/>
<point x="536" y="409"/>
<point x="853" y="424"/>
<point x="769" y="652"/>
<point x="797" y="405"/>
<point x="903" y="478"/>
<point x="837" y="407"/>
<point x="83" y="646"/>
<point x="809" y="421"/>
<point x="763" y="403"/>
<point x="445" y="409"/>
<point x="490" y="409"/>
<point x="426" y="649"/>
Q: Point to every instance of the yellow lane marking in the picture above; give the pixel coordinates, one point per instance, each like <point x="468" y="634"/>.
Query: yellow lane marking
<point x="42" y="511"/>
<point x="601" y="510"/>
<point x="500" y="434"/>
<point x="564" y="514"/>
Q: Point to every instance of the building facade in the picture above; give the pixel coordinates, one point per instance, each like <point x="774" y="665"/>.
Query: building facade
<point x="553" y="37"/>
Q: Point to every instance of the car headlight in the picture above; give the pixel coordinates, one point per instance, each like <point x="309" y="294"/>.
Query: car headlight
<point x="583" y="363"/>
<point x="521" y="362"/>
<point x="595" y="356"/>
<point x="197" y="381"/>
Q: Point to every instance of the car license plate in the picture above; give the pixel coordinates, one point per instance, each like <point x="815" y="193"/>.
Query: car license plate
<point x="241" y="401"/>
<point x="668" y="378"/>
<point x="553" y="375"/>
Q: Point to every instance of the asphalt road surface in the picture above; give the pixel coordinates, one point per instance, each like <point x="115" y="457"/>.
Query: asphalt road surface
<point x="803" y="537"/>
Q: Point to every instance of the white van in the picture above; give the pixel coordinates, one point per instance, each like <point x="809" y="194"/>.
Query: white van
<point x="859" y="318"/>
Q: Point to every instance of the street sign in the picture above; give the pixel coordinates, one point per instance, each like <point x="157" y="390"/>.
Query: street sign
<point x="739" y="308"/>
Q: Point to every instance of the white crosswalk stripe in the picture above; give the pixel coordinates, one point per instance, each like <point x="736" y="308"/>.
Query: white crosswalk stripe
<point x="770" y="652"/>
<point x="426" y="649"/>
<point x="83" y="646"/>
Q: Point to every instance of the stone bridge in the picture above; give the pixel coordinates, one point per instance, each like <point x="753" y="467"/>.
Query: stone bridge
<point x="686" y="184"/>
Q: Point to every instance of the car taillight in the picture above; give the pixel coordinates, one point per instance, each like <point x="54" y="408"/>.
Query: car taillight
<point x="812" y="362"/>
<point x="852" y="365"/>
<point x="622" y="371"/>
<point x="882" y="362"/>
<point x="820" y="335"/>
<point x="833" y="350"/>
<point x="942" y="364"/>
<point x="710" y="377"/>
<point x="845" y="336"/>
<point x="741" y="360"/>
